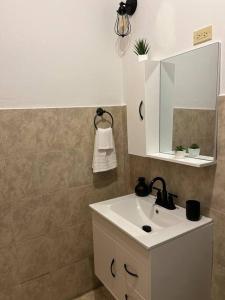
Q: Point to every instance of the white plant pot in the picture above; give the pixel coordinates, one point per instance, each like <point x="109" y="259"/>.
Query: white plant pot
<point x="180" y="154"/>
<point x="193" y="152"/>
<point x="142" y="57"/>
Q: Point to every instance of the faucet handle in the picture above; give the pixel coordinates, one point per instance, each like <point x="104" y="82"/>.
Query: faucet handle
<point x="159" y="199"/>
<point x="173" y="195"/>
<point x="157" y="189"/>
<point x="170" y="202"/>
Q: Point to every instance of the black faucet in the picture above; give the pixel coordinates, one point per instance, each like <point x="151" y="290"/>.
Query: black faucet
<point x="163" y="198"/>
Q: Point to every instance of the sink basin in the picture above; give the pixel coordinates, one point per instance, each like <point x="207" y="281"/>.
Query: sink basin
<point x="142" y="211"/>
<point x="130" y="213"/>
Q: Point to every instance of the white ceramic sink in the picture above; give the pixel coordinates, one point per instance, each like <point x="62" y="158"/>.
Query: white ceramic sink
<point x="141" y="211"/>
<point x="130" y="213"/>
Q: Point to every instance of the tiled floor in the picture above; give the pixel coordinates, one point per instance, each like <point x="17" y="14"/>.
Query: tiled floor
<point x="98" y="294"/>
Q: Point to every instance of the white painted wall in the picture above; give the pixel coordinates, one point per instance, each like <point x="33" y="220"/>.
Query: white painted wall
<point x="59" y="53"/>
<point x="169" y="26"/>
<point x="64" y="53"/>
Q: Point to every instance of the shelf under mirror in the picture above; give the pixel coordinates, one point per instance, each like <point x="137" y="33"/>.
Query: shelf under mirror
<point x="188" y="161"/>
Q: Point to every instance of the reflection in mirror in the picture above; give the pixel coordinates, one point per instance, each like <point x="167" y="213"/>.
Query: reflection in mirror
<point x="188" y="96"/>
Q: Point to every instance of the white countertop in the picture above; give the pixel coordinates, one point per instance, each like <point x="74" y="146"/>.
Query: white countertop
<point x="156" y="237"/>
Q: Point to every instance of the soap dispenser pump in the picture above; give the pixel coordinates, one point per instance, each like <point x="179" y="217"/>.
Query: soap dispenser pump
<point x="142" y="189"/>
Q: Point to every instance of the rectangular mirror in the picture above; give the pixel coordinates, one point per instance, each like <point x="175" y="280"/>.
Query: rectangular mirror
<point x="188" y="96"/>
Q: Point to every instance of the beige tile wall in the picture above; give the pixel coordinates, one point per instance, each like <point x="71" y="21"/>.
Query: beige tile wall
<point x="204" y="184"/>
<point x="46" y="184"/>
<point x="195" y="126"/>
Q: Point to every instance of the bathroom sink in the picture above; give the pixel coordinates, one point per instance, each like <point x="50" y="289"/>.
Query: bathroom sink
<point x="130" y="213"/>
<point x="142" y="211"/>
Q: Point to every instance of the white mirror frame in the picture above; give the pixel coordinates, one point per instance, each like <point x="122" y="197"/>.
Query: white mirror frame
<point x="152" y="108"/>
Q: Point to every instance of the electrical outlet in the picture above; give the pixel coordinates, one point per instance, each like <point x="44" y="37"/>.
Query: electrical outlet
<point x="202" y="35"/>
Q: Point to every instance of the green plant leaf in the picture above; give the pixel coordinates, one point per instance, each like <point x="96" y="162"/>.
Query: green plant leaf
<point x="141" y="47"/>
<point x="180" y="148"/>
<point x="194" y="146"/>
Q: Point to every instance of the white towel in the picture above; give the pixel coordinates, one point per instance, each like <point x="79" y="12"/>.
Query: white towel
<point x="104" y="159"/>
<point x="104" y="138"/>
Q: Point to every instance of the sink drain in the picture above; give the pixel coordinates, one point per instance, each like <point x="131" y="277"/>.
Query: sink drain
<point x="147" y="228"/>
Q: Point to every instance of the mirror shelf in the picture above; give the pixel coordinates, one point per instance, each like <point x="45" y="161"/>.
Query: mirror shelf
<point x="188" y="161"/>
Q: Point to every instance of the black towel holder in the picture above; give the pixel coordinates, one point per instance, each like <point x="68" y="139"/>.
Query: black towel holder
<point x="99" y="113"/>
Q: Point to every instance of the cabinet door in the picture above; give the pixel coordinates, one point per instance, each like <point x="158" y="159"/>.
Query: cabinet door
<point x="135" y="99"/>
<point x="130" y="294"/>
<point x="105" y="261"/>
<point x="135" y="272"/>
<point x="127" y="292"/>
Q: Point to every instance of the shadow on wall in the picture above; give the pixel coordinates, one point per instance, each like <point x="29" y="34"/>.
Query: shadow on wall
<point x="105" y="179"/>
<point x="122" y="45"/>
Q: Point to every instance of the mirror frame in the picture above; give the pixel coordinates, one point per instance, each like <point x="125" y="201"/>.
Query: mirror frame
<point x="214" y="157"/>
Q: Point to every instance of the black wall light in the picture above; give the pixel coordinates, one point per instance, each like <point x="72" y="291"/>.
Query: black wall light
<point x="122" y="25"/>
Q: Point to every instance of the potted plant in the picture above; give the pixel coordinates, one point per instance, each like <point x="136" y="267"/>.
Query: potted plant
<point x="180" y="152"/>
<point x="141" y="48"/>
<point x="194" y="150"/>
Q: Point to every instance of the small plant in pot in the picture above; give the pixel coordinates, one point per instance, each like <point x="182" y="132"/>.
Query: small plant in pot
<point x="194" y="150"/>
<point x="180" y="152"/>
<point x="141" y="48"/>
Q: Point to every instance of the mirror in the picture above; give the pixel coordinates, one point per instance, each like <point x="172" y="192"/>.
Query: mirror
<point x="188" y="96"/>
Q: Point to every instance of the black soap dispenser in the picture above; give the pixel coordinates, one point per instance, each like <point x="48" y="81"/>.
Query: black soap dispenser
<point x="142" y="189"/>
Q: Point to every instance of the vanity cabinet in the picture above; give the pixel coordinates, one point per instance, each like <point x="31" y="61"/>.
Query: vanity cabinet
<point x="136" y="109"/>
<point x="120" y="271"/>
<point x="106" y="263"/>
<point x="179" y="269"/>
<point x="142" y="97"/>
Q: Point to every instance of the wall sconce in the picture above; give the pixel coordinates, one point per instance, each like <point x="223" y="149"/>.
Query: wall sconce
<point x="122" y="25"/>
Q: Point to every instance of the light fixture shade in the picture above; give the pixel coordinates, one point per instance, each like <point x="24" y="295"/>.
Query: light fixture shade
<point x="122" y="25"/>
<point x="126" y="9"/>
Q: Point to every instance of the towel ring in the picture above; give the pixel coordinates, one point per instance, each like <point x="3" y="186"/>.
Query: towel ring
<point x="99" y="113"/>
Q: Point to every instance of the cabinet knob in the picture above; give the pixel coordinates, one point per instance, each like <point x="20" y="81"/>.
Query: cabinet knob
<point x="140" y="110"/>
<point x="130" y="273"/>
<point x="111" y="268"/>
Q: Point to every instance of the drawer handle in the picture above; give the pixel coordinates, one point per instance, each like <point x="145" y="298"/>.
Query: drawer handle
<point x="140" y="110"/>
<point x="130" y="273"/>
<point x="111" y="268"/>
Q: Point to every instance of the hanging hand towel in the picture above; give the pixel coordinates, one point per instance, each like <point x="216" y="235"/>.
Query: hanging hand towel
<point x="104" y="157"/>
<point x="104" y="138"/>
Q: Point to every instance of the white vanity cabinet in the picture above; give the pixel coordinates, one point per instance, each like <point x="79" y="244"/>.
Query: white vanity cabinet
<point x="112" y="264"/>
<point x="179" y="269"/>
